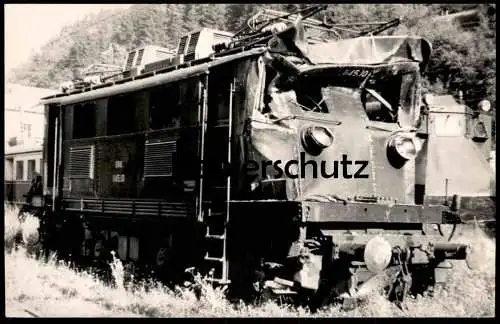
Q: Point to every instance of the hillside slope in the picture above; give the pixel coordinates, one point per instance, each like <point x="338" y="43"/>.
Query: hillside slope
<point x="465" y="60"/>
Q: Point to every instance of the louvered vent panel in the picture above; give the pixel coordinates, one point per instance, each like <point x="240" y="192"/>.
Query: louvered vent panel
<point x="158" y="158"/>
<point x="157" y="65"/>
<point x="130" y="61"/>
<point x="81" y="162"/>
<point x="190" y="57"/>
<point x="139" y="57"/>
<point x="182" y="45"/>
<point x="192" y="44"/>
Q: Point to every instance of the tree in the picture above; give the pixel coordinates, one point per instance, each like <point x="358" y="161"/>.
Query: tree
<point x="173" y="24"/>
<point x="211" y="15"/>
<point x="237" y="15"/>
<point x="461" y="59"/>
<point x="191" y="17"/>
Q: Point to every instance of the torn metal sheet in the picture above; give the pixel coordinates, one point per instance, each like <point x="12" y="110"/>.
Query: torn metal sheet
<point x="371" y="51"/>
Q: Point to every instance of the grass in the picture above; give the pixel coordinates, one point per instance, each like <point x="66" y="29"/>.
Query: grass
<point x="50" y="288"/>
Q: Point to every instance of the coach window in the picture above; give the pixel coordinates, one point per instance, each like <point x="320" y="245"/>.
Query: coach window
<point x="121" y="114"/>
<point x="165" y="107"/>
<point x="84" y="122"/>
<point x="189" y="94"/>
<point x="19" y="170"/>
<point x="31" y="168"/>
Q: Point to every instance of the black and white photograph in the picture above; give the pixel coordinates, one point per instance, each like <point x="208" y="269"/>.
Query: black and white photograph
<point x="180" y="160"/>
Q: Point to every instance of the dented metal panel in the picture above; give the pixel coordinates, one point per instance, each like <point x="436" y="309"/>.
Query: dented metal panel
<point x="371" y="51"/>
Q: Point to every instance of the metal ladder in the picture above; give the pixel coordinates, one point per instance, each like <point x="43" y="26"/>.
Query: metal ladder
<point x="216" y="240"/>
<point x="217" y="217"/>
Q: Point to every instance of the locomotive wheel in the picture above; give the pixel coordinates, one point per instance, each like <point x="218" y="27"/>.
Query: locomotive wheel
<point x="99" y="248"/>
<point x="162" y="257"/>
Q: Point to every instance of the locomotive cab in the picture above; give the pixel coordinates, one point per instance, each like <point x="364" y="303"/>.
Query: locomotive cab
<point x="339" y="136"/>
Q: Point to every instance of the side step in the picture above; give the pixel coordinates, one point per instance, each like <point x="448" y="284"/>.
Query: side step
<point x="215" y="237"/>
<point x="213" y="259"/>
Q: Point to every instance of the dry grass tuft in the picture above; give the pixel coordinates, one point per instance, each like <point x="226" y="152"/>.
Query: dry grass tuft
<point x="49" y="287"/>
<point x="12" y="225"/>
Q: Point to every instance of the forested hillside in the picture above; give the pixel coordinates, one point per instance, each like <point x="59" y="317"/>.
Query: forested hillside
<point x="461" y="60"/>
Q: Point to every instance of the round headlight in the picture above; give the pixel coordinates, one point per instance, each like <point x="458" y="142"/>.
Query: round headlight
<point x="377" y="254"/>
<point x="316" y="138"/>
<point x="485" y="105"/>
<point x="428" y="99"/>
<point x="322" y="136"/>
<point x="400" y="149"/>
<point x="405" y="147"/>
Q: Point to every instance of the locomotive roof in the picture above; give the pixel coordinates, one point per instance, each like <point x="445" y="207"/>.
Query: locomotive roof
<point x="368" y="51"/>
<point x="146" y="80"/>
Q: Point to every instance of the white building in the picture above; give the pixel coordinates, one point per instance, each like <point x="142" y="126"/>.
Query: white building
<point x="24" y="130"/>
<point x="24" y="114"/>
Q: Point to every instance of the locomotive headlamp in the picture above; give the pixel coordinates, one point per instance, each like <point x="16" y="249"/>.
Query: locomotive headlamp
<point x="316" y="138"/>
<point x="428" y="99"/>
<point x="401" y="148"/>
<point x="405" y="147"/>
<point x="377" y="254"/>
<point x="484" y="105"/>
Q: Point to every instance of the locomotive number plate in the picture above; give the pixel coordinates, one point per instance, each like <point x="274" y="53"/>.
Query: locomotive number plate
<point x="118" y="178"/>
<point x="355" y="73"/>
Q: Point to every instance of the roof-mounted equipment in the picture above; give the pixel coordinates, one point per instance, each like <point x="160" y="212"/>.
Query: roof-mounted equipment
<point x="139" y="57"/>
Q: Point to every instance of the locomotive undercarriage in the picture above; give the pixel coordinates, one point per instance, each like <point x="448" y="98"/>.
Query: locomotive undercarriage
<point x="306" y="252"/>
<point x="346" y="261"/>
<point x="333" y="268"/>
<point x="148" y="247"/>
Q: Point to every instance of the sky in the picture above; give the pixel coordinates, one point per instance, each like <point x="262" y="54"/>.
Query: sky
<point x="29" y="26"/>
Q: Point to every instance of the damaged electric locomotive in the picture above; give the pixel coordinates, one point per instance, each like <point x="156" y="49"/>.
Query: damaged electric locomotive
<point x="153" y="165"/>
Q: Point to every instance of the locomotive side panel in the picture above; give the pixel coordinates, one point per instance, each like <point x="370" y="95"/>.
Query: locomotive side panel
<point x="132" y="156"/>
<point x="118" y="165"/>
<point x="137" y="145"/>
